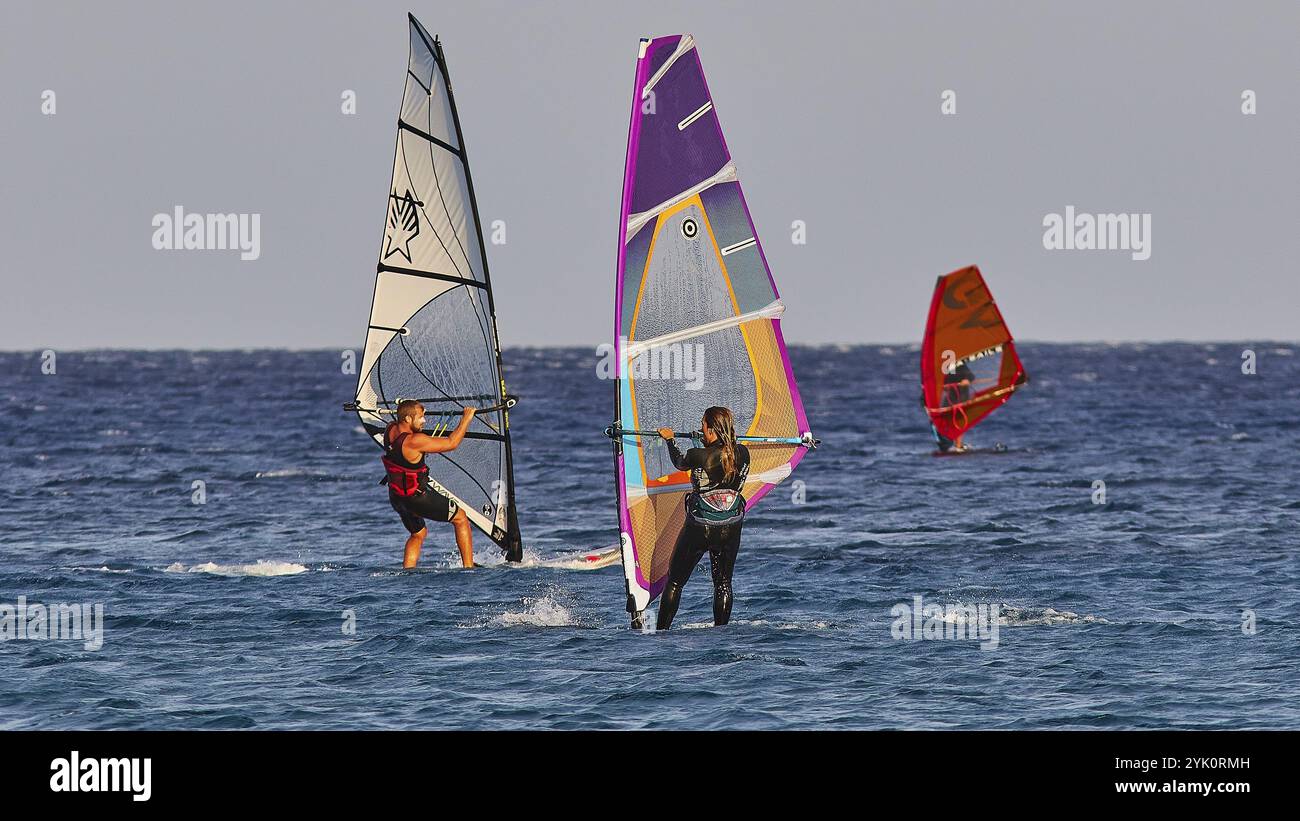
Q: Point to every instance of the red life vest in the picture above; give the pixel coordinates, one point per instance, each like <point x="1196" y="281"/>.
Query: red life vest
<point x="403" y="478"/>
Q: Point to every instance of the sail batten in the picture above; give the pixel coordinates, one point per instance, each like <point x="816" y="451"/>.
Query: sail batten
<point x="432" y="333"/>
<point x="636" y="221"/>
<point x="692" y="286"/>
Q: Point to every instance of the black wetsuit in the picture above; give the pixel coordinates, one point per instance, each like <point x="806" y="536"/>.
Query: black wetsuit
<point x="428" y="503"/>
<point x="953" y="393"/>
<point x="715" y="512"/>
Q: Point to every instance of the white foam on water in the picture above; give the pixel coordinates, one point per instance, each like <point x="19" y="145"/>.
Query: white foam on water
<point x="775" y="625"/>
<point x="95" y="570"/>
<point x="544" y="611"/>
<point x="1034" y="616"/>
<point x="284" y="473"/>
<point x="263" y="567"/>
<point x="488" y="557"/>
<point x="694" y="625"/>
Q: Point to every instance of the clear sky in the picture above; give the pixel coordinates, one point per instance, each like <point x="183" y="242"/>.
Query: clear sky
<point x="831" y="110"/>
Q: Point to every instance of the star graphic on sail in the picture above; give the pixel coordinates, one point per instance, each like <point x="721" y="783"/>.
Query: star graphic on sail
<point x="403" y="224"/>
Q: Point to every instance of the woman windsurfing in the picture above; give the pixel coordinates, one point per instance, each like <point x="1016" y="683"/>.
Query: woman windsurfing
<point x="715" y="512"/>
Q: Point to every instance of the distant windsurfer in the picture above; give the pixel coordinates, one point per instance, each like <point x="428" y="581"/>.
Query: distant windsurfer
<point x="407" y="476"/>
<point x="957" y="385"/>
<point x="956" y="390"/>
<point x="715" y="512"/>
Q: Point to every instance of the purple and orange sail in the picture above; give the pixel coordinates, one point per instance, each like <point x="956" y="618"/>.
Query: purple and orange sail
<point x="696" y="313"/>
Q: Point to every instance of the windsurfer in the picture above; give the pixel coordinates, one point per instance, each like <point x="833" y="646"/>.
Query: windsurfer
<point x="957" y="385"/>
<point x="407" y="477"/>
<point x="956" y="389"/>
<point x="715" y="512"/>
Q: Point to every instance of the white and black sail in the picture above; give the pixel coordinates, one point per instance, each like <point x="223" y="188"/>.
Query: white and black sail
<point x="432" y="334"/>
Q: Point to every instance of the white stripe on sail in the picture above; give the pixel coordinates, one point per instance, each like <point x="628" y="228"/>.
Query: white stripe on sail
<point x="634" y="221"/>
<point x="683" y="45"/>
<point x="698" y="113"/>
<point x="739" y="246"/>
<point x="772" y="476"/>
<point x="635" y="349"/>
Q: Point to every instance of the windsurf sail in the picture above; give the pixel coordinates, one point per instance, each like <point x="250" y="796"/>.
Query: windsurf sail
<point x="696" y="314"/>
<point x="969" y="365"/>
<point x="432" y="334"/>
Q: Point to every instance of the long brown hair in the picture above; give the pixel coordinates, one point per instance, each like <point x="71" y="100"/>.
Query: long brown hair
<point x="723" y="424"/>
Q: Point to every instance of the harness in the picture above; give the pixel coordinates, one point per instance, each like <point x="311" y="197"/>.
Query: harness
<point x="717" y="507"/>
<point x="402" y="479"/>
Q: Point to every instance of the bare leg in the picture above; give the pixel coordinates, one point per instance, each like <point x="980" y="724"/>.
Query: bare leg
<point x="464" y="538"/>
<point x="413" y="545"/>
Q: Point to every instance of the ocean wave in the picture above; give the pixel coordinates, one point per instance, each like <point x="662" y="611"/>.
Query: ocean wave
<point x="288" y="473"/>
<point x="104" y="569"/>
<point x="543" y="612"/>
<point x="1032" y="616"/>
<point x="537" y="611"/>
<point x="811" y="624"/>
<point x="262" y="567"/>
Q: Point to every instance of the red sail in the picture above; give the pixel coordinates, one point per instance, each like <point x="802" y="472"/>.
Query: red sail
<point x="969" y="364"/>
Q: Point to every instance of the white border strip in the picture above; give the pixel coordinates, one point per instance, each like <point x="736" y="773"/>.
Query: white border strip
<point x="634" y="349"/>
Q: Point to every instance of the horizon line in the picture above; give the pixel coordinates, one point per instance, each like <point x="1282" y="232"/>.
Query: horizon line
<point x="232" y="349"/>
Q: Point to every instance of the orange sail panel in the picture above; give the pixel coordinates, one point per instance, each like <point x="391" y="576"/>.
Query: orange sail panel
<point x="969" y="364"/>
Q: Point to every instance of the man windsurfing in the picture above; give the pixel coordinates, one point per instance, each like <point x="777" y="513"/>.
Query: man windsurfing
<point x="407" y="477"/>
<point x="956" y="389"/>
<point x="715" y="512"/>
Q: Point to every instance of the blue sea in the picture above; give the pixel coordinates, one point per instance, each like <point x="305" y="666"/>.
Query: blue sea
<point x="1173" y="604"/>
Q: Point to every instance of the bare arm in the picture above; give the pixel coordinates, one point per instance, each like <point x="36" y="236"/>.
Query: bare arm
<point x="424" y="443"/>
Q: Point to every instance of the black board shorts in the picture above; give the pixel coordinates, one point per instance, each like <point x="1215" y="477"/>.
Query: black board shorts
<point x="429" y="504"/>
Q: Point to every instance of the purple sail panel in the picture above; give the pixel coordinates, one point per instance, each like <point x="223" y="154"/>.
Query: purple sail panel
<point x="680" y="142"/>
